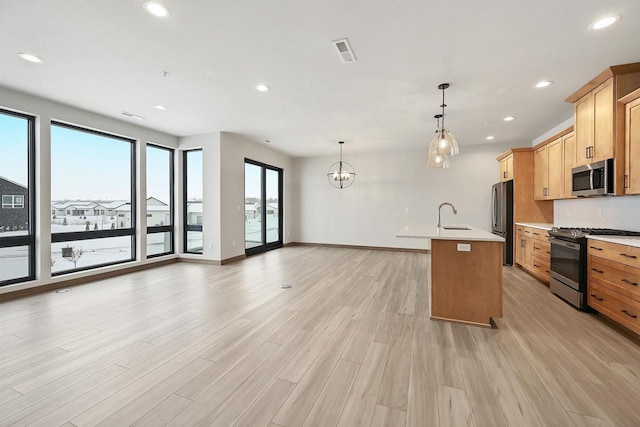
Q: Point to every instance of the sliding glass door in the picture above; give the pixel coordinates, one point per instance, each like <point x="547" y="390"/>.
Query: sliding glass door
<point x="262" y="207"/>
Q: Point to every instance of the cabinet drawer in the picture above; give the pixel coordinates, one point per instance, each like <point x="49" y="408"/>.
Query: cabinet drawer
<point x="615" y="276"/>
<point x="615" y="306"/>
<point x="527" y="231"/>
<point x="542" y="249"/>
<point x="539" y="234"/>
<point x="520" y="229"/>
<point x="628" y="255"/>
<point x="541" y="268"/>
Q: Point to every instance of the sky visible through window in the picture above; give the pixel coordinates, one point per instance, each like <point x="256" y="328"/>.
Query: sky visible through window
<point x="13" y="149"/>
<point x="158" y="173"/>
<point x="86" y="166"/>
<point x="252" y="180"/>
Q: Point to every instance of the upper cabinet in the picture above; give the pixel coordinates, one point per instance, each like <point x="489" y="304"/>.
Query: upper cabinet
<point x="549" y="173"/>
<point x="594" y="119"/>
<point x="632" y="143"/>
<point x="599" y="118"/>
<point x="506" y="168"/>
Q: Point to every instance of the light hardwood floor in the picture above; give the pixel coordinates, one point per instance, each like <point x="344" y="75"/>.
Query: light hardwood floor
<point x="350" y="344"/>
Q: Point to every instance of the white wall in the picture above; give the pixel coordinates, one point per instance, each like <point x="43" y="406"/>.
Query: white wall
<point x="45" y="111"/>
<point x="223" y="190"/>
<point x="234" y="150"/>
<point x="210" y="145"/>
<point x="393" y="189"/>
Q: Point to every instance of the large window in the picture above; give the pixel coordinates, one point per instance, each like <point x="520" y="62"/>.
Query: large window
<point x="193" y="201"/>
<point x="93" y="208"/>
<point x="262" y="207"/>
<point x="17" y="188"/>
<point x="159" y="201"/>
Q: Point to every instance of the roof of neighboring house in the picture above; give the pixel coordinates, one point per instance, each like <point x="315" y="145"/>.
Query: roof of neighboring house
<point x="154" y="201"/>
<point x="12" y="182"/>
<point x="194" y="207"/>
<point x="156" y="208"/>
<point x="273" y="206"/>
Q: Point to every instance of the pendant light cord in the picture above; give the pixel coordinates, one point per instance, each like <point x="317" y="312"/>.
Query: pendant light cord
<point x="443" y="105"/>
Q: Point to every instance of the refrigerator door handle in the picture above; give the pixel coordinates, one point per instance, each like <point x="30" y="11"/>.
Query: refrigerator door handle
<point x="494" y="212"/>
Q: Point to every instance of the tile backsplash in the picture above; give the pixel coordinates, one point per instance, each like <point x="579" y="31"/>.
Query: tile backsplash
<point x="598" y="212"/>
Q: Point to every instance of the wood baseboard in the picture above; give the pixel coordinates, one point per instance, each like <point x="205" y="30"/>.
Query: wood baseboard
<point x="81" y="280"/>
<point x="370" y="248"/>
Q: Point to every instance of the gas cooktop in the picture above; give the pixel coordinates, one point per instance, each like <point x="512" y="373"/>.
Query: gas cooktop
<point x="577" y="233"/>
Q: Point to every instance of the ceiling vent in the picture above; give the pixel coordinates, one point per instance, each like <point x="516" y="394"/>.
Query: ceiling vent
<point x="344" y="50"/>
<point x="133" y="116"/>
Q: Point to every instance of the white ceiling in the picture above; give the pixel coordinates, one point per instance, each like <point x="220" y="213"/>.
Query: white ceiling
<point x="108" y="56"/>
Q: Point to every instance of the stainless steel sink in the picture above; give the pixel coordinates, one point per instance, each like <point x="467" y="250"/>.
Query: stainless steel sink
<point x="455" y="227"/>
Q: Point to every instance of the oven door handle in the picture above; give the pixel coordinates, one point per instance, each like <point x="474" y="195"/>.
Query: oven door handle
<point x="591" y="178"/>
<point x="556" y="241"/>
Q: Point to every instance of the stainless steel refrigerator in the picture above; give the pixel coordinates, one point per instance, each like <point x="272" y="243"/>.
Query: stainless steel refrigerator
<point x="502" y="217"/>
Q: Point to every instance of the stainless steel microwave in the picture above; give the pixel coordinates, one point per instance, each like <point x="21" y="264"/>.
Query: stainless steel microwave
<point x="595" y="179"/>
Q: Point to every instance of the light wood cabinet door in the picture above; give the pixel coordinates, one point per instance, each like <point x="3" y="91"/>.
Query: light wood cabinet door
<point x="569" y="147"/>
<point x="506" y="168"/>
<point x="540" y="181"/>
<point x="583" y="128"/>
<point x="603" y="123"/>
<point x="521" y="249"/>
<point x="555" y="170"/>
<point x="632" y="148"/>
<point x="509" y="161"/>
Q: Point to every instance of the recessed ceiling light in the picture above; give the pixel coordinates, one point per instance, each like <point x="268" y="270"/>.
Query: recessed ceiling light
<point x="160" y="107"/>
<point x="490" y="137"/>
<point x="604" y="22"/>
<point x="156" y="9"/>
<point x="509" y="118"/>
<point x="543" y="83"/>
<point x="262" y="88"/>
<point x="30" y="57"/>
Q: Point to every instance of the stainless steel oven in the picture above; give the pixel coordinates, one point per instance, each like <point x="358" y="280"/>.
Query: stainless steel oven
<point x="568" y="270"/>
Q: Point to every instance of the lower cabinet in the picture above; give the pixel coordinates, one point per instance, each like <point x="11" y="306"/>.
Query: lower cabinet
<point x="533" y="251"/>
<point x="613" y="273"/>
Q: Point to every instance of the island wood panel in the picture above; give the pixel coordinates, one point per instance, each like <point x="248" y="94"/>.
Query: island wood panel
<point x="466" y="286"/>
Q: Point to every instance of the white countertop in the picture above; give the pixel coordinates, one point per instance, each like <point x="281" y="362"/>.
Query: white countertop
<point x="621" y="240"/>
<point x="422" y="231"/>
<point x="540" y="225"/>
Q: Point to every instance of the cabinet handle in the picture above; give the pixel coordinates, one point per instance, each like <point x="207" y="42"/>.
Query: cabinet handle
<point x="549" y="252"/>
<point x="547" y="271"/>
<point x="629" y="256"/>
<point x="597" y="271"/>
<point x="535" y="248"/>
<point x="586" y="152"/>
<point x="635" y="316"/>
<point x="537" y="234"/>
<point x="624" y="181"/>
<point x="504" y="174"/>
<point x="536" y="265"/>
<point x="596" y="297"/>
<point x="629" y="282"/>
<point x="596" y="248"/>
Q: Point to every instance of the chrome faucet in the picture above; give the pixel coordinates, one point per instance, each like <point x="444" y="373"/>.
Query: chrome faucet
<point x="455" y="212"/>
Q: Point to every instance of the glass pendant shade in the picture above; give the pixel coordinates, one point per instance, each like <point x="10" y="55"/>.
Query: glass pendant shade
<point x="341" y="174"/>
<point x="447" y="142"/>
<point x="438" y="158"/>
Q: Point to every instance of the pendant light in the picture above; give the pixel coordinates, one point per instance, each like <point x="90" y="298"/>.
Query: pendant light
<point x="341" y="174"/>
<point x="446" y="141"/>
<point x="438" y="157"/>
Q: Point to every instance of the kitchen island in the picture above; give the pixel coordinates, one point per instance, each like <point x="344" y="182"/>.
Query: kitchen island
<point x="466" y="272"/>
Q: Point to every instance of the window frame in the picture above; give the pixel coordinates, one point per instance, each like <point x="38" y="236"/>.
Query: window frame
<point x="28" y="240"/>
<point x="100" y="234"/>
<point x="265" y="246"/>
<point x="164" y="228"/>
<point x="189" y="227"/>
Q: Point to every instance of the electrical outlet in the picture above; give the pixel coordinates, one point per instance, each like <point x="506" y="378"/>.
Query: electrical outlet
<point x="210" y="245"/>
<point x="464" y="247"/>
